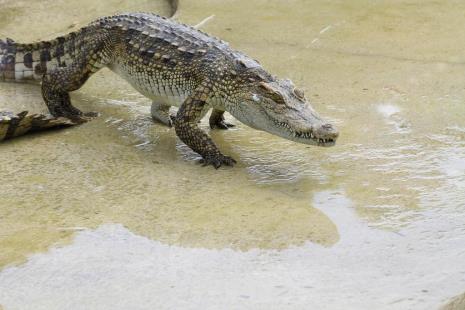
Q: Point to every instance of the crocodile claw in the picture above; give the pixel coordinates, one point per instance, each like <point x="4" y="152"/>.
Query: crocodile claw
<point x="77" y="119"/>
<point x="83" y="118"/>
<point x="171" y="120"/>
<point x="217" y="161"/>
<point x="91" y="114"/>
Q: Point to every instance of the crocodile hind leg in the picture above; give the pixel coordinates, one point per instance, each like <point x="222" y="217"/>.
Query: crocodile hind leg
<point x="161" y="113"/>
<point x="217" y="120"/>
<point x="187" y="129"/>
<point x="57" y="84"/>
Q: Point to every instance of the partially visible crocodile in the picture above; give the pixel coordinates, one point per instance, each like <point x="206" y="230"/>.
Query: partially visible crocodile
<point x="174" y="65"/>
<point x="13" y="125"/>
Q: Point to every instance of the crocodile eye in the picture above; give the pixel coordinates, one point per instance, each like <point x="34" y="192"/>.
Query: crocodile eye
<point x="299" y="93"/>
<point x="255" y="98"/>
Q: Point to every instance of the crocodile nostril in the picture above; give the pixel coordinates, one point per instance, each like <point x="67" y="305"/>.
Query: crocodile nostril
<point x="327" y="127"/>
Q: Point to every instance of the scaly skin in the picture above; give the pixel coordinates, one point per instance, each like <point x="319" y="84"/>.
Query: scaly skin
<point x="13" y="125"/>
<point x="173" y="64"/>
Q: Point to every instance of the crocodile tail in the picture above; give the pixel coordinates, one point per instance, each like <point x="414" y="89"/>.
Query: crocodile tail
<point x="29" y="62"/>
<point x="25" y="62"/>
<point x="13" y="125"/>
<point x="7" y="60"/>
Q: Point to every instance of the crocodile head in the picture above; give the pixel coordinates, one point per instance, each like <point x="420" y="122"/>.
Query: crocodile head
<point x="278" y="107"/>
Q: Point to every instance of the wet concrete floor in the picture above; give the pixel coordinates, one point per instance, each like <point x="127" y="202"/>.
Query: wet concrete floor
<point x="117" y="214"/>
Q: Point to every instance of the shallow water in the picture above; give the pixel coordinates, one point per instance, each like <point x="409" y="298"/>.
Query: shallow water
<point x="121" y="212"/>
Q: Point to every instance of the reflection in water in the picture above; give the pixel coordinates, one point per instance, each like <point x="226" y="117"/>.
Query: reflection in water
<point x="113" y="268"/>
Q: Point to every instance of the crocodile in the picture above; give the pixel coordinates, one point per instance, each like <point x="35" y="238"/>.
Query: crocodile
<point x="173" y="64"/>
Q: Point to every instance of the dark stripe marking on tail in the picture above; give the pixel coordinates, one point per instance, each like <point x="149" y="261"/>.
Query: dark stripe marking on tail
<point x="7" y="59"/>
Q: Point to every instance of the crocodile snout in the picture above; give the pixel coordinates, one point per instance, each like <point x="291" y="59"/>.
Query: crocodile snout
<point x="326" y="131"/>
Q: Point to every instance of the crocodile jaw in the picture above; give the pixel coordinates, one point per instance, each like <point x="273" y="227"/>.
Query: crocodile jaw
<point x="304" y="126"/>
<point x="315" y="135"/>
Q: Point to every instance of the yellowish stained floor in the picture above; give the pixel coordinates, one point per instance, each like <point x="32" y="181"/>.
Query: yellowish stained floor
<point x="380" y="210"/>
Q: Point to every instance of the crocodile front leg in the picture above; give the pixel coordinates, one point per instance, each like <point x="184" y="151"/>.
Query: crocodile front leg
<point x="188" y="131"/>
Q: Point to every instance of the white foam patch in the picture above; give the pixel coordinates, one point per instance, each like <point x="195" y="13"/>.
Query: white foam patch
<point x="387" y="110"/>
<point x="454" y="167"/>
<point x="393" y="116"/>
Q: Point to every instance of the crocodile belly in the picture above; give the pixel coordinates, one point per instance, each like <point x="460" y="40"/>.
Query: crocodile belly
<point x="152" y="86"/>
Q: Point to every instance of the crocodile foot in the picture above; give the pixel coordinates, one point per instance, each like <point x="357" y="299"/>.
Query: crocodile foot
<point x="82" y="118"/>
<point x="91" y="114"/>
<point x="218" y="121"/>
<point x="167" y="122"/>
<point x="217" y="161"/>
<point x="222" y="124"/>
<point x="161" y="114"/>
<point x="171" y="120"/>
